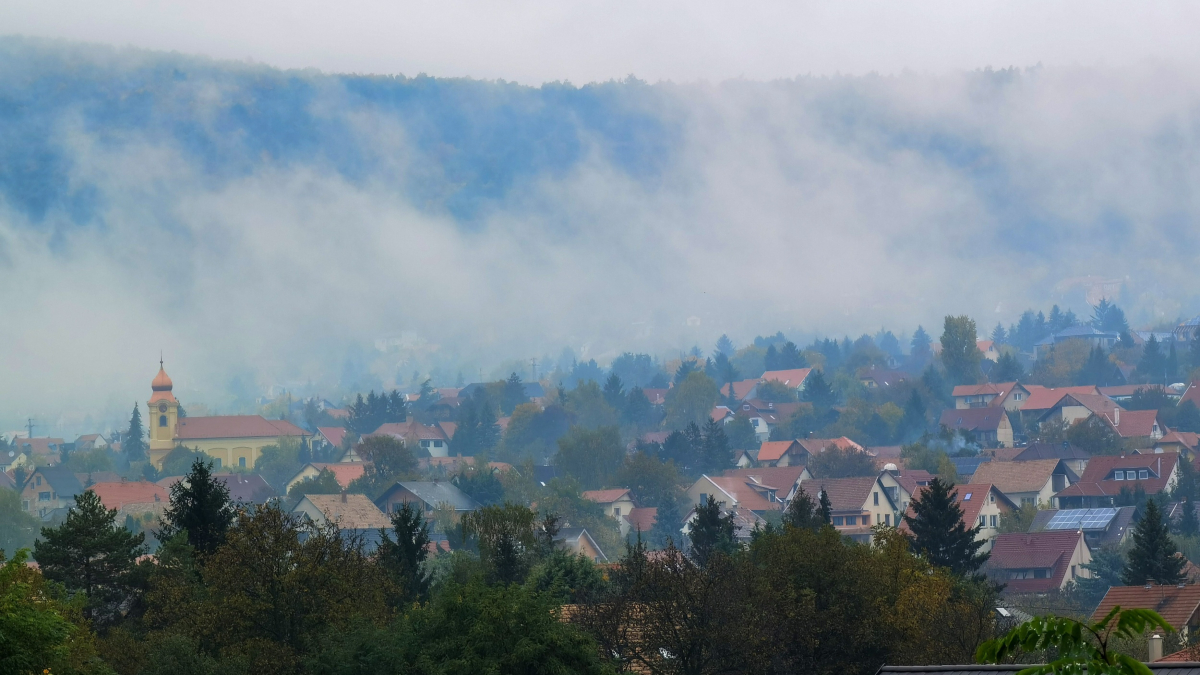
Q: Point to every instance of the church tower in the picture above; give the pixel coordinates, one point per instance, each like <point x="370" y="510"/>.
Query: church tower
<point x="164" y="416"/>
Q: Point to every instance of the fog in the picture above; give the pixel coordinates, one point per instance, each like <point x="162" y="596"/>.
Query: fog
<point x="815" y="205"/>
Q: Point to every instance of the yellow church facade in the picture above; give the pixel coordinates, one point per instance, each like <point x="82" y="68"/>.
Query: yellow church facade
<point x="232" y="441"/>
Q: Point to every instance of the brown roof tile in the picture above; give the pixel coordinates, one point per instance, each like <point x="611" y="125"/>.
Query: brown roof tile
<point x="1012" y="477"/>
<point x="846" y="494"/>
<point x="1176" y="604"/>
<point x="605" y="496"/>
<point x="356" y="512"/>
<point x="771" y="451"/>
<point x="1095" y="480"/>
<point x="1044" y="398"/>
<point x="973" y="419"/>
<point x="115" y="495"/>
<point x="1019" y="550"/>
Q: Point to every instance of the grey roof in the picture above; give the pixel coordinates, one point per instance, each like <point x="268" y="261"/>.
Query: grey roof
<point x="1079" y="332"/>
<point x="1051" y="451"/>
<point x="64" y="482"/>
<point x="1168" y="668"/>
<point x="440" y="492"/>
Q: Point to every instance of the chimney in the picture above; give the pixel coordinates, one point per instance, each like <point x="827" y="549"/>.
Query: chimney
<point x="1155" y="647"/>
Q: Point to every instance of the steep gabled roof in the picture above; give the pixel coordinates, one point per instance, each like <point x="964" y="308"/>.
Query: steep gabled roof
<point x="38" y="446"/>
<point x="740" y="389"/>
<point x="974" y="419"/>
<point x="349" y="511"/>
<point x="818" y="445"/>
<point x="344" y="472"/>
<point x="1176" y="604"/>
<point x="333" y="435"/>
<point x="1000" y="389"/>
<point x="1013" y="477"/>
<point x="1134" y="423"/>
<point x="1098" y="404"/>
<point x="846" y="494"/>
<point x="642" y="519"/>
<point x="605" y="496"/>
<point x="782" y="477"/>
<point x="1095" y="481"/>
<point x="437" y="492"/>
<point x="748" y="494"/>
<point x="771" y="451"/>
<point x="971" y="498"/>
<point x="1036" y="550"/>
<point x="1051" y="451"/>
<point x="234" y="426"/>
<point x="793" y="378"/>
<point x="116" y="495"/>
<point x="1191" y="394"/>
<point x="1044" y="398"/>
<point x="60" y="478"/>
<point x="411" y="430"/>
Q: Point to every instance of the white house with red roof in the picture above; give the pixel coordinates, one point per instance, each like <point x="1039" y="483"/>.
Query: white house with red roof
<point x="793" y="378"/>
<point x="737" y="491"/>
<point x="433" y="438"/>
<point x="1138" y="426"/>
<point x="857" y="504"/>
<point x="617" y="503"/>
<point x="1107" y="475"/>
<point x="982" y="505"/>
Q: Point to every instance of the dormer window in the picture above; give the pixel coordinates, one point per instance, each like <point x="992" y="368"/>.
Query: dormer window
<point x="1118" y="475"/>
<point x="1143" y="474"/>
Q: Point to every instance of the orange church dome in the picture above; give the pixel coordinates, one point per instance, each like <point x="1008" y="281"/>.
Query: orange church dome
<point x="161" y="381"/>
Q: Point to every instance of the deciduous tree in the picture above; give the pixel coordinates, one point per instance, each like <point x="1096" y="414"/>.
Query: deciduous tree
<point x="960" y="354"/>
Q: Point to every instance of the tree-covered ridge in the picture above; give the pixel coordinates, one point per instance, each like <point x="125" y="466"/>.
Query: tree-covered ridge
<point x="455" y="145"/>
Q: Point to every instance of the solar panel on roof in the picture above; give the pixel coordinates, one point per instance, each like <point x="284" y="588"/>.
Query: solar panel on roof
<point x="1087" y="519"/>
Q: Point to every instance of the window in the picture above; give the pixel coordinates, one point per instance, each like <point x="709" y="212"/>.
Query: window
<point x="876" y="499"/>
<point x="891" y="492"/>
<point x="437" y="444"/>
<point x="1072" y="571"/>
<point x="968" y="497"/>
<point x="982" y="521"/>
<point x="242" y="461"/>
<point x="1118" y="475"/>
<point x="616" y="511"/>
<point x="887" y="519"/>
<point x="851" y="520"/>
<point x="162" y="420"/>
<point x="703" y="498"/>
<point x="39" y="481"/>
<point x="43" y="496"/>
<point x="1143" y="474"/>
<point x="1041" y="573"/>
<point x="993" y="521"/>
<point x="25" y="505"/>
<point x="838" y="520"/>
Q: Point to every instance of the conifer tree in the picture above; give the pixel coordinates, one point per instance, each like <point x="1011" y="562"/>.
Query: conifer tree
<point x="133" y="442"/>
<point x="1153" y="363"/>
<point x="513" y="394"/>
<point x="489" y="427"/>
<point x="200" y="506"/>
<point x="920" y="342"/>
<point x="818" y="391"/>
<point x="712" y="532"/>
<point x="939" y="533"/>
<point x="90" y="553"/>
<point x="804" y="512"/>
<point x="1188" y="525"/>
<point x="1154" y="556"/>
<point x="403" y="557"/>
<point x="614" y="392"/>
<point x="717" y="454"/>
<point x="825" y="510"/>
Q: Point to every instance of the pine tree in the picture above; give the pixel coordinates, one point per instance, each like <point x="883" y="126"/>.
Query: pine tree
<point x="1194" y="349"/>
<point x="200" y="506"/>
<point x="914" y="422"/>
<point x="939" y="533"/>
<point x="1007" y="369"/>
<point x="999" y="336"/>
<point x="133" y="442"/>
<point x="804" y="512"/>
<point x="403" y="557"/>
<point x="614" y="392"/>
<point x="920" y="342"/>
<point x="771" y="359"/>
<point x="712" y="532"/>
<point x="825" y="508"/>
<point x="818" y="391"/>
<point x="1172" y="365"/>
<point x="513" y="394"/>
<point x="668" y="521"/>
<point x="717" y="454"/>
<point x="1154" y="556"/>
<point x="725" y="346"/>
<point x="1151" y="367"/>
<point x="489" y="428"/>
<point x="90" y="553"/>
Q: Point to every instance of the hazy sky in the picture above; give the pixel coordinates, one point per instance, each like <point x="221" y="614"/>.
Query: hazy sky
<point x="536" y="41"/>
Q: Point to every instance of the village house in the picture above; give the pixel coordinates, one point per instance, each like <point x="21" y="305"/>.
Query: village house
<point x="988" y="427"/>
<point x="1038" y="562"/>
<point x="344" y="472"/>
<point x="39" y="449"/>
<point x="881" y="379"/>
<point x="347" y="511"/>
<point x="640" y="519"/>
<point x="1008" y="395"/>
<point x="736" y="492"/>
<point x="987" y="348"/>
<point x="1138" y="428"/>
<point x="793" y="379"/>
<point x="901" y="485"/>
<point x="245" y="488"/>
<point x="1124" y="393"/>
<point x="741" y="390"/>
<point x="1179" y="605"/>
<point x="616" y="503"/>
<point x="88" y="442"/>
<point x="785" y="479"/>
<point x="329" y="440"/>
<point x="578" y="541"/>
<point x="1186" y="443"/>
<point x="428" y="496"/>
<point x="231" y="441"/>
<point x="432" y="438"/>
<point x="1042" y="399"/>
<point x="1107" y="475"/>
<point x="857" y="504"/>
<point x="1075" y="458"/>
<point x="780" y="453"/>
<point x="745" y="522"/>
<point x="49" y="490"/>
<point x="1101" y="527"/>
<point x="1032" y="482"/>
<point x="1074" y="408"/>
<point x="1092" y="336"/>
<point x="140" y="499"/>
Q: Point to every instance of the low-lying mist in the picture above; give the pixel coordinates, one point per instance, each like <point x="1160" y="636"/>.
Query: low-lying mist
<point x="264" y="227"/>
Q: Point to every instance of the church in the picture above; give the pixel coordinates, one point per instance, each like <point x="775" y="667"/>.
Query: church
<point x="232" y="441"/>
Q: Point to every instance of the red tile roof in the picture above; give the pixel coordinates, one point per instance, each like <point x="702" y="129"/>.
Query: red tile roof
<point x="740" y="389"/>
<point x="115" y="495"/>
<point x="1176" y="604"/>
<point x="38" y="446"/>
<point x="656" y="396"/>
<point x="1129" y="389"/>
<point x="973" y="419"/>
<point x="344" y="472"/>
<point x="845" y="494"/>
<point x="1191" y="394"/>
<point x="605" y="496"/>
<point x="1019" y="550"/>
<point x="235" y="426"/>
<point x="792" y="378"/>
<point x="784" y="478"/>
<point x="746" y="495"/>
<point x="333" y="434"/>
<point x="1133" y="423"/>
<point x="1187" y="439"/>
<point x="771" y="451"/>
<point x="720" y="412"/>
<point x="642" y="519"/>
<point x="1012" y="477"/>
<point x="818" y="445"/>
<point x="1098" y="404"/>
<point x="971" y="497"/>
<point x="411" y="429"/>
<point x="1000" y="389"/>
<point x="1095" y="481"/>
<point x="1044" y="398"/>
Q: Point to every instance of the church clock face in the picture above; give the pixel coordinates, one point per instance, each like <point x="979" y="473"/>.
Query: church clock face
<point x="162" y="406"/>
